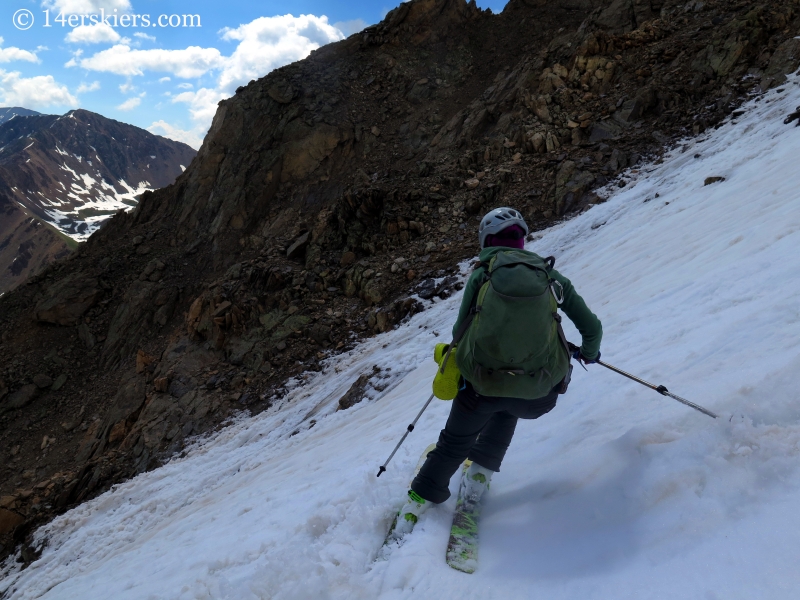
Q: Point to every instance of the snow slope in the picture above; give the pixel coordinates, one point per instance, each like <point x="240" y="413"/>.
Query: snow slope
<point x="617" y="493"/>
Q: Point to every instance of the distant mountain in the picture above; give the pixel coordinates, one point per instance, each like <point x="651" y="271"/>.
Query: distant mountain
<point x="71" y="173"/>
<point x="8" y="113"/>
<point x="26" y="243"/>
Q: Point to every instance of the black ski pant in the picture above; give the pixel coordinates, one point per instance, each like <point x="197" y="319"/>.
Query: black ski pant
<point x="479" y="428"/>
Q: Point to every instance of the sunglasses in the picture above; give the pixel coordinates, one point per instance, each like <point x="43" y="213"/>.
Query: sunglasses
<point x="514" y="234"/>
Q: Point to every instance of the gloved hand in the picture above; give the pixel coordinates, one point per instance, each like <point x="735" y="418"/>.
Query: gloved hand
<point x="583" y="360"/>
<point x="446" y="382"/>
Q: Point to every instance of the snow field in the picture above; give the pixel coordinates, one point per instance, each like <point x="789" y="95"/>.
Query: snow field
<point x="617" y="493"/>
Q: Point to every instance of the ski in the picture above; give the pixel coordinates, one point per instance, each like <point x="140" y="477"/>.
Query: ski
<point x="462" y="548"/>
<point x="388" y="540"/>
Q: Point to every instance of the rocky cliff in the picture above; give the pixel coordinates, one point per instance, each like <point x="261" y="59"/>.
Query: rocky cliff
<point x="334" y="197"/>
<point x="69" y="174"/>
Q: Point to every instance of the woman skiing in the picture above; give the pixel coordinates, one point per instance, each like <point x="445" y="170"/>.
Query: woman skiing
<point x="512" y="356"/>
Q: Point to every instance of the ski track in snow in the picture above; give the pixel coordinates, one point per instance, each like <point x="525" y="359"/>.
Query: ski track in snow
<point x="617" y="493"/>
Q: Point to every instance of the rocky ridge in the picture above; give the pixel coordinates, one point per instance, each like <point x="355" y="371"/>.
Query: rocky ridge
<point x="8" y="113"/>
<point x="333" y="198"/>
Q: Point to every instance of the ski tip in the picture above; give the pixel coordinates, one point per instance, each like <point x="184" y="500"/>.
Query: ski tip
<point x="467" y="567"/>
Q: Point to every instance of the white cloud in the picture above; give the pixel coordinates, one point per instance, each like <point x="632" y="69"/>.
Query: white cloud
<point x="92" y="87"/>
<point x="33" y="92"/>
<point x="164" y="80"/>
<point x="122" y="60"/>
<point x="193" y="138"/>
<point x="348" y="28"/>
<point x="202" y="104"/>
<point x="127" y="87"/>
<point x="130" y="104"/>
<point x="85" y="7"/>
<point x="185" y="86"/>
<point x="144" y="36"/>
<point x="92" y="34"/>
<point x="270" y="42"/>
<point x="12" y="53"/>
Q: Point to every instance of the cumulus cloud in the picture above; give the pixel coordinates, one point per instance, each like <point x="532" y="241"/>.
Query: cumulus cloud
<point x="164" y="80"/>
<point x="91" y="87"/>
<point x="348" y="28"/>
<point x="86" y="7"/>
<point x="33" y="92"/>
<point x="12" y="53"/>
<point x="144" y="36"/>
<point x="186" y="63"/>
<point x="130" y="104"/>
<point x="193" y="138"/>
<point x="270" y="42"/>
<point x="93" y="34"/>
<point x="202" y="104"/>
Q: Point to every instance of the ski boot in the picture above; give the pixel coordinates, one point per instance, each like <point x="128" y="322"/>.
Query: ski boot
<point x="476" y="482"/>
<point x="408" y="516"/>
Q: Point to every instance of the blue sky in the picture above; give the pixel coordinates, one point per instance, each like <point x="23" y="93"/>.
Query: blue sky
<point x="150" y="67"/>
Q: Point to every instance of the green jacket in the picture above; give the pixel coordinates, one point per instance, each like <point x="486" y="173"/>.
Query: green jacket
<point x="573" y="306"/>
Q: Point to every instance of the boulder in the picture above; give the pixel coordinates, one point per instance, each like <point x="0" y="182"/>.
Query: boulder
<point x="86" y="336"/>
<point x="65" y="302"/>
<point x="21" y="397"/>
<point x="298" y="248"/>
<point x="604" y="130"/>
<point x="42" y="381"/>
<point x="9" y="520"/>
<point x="59" y="382"/>
<point x="356" y="393"/>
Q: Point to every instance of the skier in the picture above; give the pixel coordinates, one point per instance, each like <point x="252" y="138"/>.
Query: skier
<point x="484" y="414"/>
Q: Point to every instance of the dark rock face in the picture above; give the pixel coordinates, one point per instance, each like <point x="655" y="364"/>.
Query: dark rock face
<point x="333" y="198"/>
<point x="66" y="301"/>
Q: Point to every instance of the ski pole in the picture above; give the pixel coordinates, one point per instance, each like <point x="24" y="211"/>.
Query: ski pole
<point x="405" y="435"/>
<point x="660" y="389"/>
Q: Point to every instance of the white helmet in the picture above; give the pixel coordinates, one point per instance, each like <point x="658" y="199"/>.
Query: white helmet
<point x="497" y="220"/>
